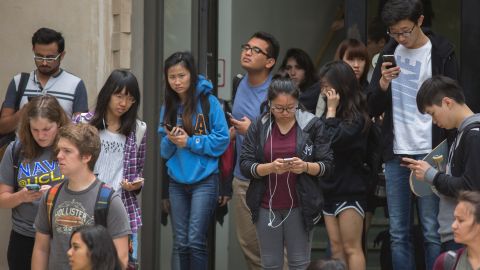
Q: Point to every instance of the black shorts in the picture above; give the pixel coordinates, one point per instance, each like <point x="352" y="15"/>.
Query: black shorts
<point x="334" y="209"/>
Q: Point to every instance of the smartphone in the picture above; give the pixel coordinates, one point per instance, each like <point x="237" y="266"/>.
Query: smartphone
<point x="389" y="58"/>
<point x="169" y="127"/>
<point x="404" y="163"/>
<point x="230" y="116"/>
<point x="35" y="187"/>
<point x="288" y="159"/>
<point x="139" y="180"/>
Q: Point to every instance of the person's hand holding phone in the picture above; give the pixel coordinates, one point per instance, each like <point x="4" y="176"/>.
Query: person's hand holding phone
<point x="279" y="166"/>
<point x="295" y="165"/>
<point x="134" y="185"/>
<point x="390" y="71"/>
<point x="178" y="136"/>
<point x="418" y="167"/>
<point x="333" y="99"/>
<point x="241" y="125"/>
<point x="31" y="193"/>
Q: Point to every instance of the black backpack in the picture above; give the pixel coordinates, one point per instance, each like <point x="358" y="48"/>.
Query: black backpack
<point x="5" y="139"/>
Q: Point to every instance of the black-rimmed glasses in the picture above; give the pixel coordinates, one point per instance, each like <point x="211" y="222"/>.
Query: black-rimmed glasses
<point x="403" y="34"/>
<point x="279" y="109"/>
<point x="253" y="50"/>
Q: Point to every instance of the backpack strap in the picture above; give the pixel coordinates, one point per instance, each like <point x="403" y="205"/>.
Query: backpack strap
<point x="52" y="195"/>
<point x="102" y="204"/>
<point x="235" y="83"/>
<point x="205" y="110"/>
<point x="21" y="89"/>
<point x="140" y="129"/>
<point x="451" y="258"/>
<point x="16" y="157"/>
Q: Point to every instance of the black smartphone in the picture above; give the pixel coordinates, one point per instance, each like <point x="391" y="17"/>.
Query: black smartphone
<point x="169" y="127"/>
<point x="403" y="162"/>
<point x="389" y="58"/>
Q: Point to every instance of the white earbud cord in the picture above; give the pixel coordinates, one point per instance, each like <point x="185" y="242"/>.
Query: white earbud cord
<point x="270" y="212"/>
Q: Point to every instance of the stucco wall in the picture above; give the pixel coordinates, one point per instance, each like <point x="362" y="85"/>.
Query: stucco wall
<point x="86" y="26"/>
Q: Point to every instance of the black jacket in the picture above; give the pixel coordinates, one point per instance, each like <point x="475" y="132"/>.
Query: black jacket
<point x="312" y="146"/>
<point x="379" y="101"/>
<point x="349" y="143"/>
<point x="465" y="171"/>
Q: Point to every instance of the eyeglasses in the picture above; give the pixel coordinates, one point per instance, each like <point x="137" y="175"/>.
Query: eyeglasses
<point x="278" y="109"/>
<point x="46" y="59"/>
<point x="403" y="34"/>
<point x="127" y="98"/>
<point x="253" y="50"/>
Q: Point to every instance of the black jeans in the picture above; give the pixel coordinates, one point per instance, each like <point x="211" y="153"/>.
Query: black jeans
<point x="19" y="252"/>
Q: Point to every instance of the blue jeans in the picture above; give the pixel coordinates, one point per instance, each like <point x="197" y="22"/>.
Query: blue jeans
<point x="399" y="199"/>
<point x="192" y="209"/>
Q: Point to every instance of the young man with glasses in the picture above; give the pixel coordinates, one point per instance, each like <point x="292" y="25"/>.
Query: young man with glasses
<point x="419" y="54"/>
<point x="48" y="51"/>
<point x="258" y="57"/>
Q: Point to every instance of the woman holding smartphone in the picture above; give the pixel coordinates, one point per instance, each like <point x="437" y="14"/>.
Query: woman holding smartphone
<point x="30" y="160"/>
<point x="285" y="153"/>
<point x="123" y="137"/>
<point x="192" y="139"/>
<point x="346" y="123"/>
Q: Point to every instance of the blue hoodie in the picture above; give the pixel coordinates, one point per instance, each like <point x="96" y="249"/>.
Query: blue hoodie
<point x="199" y="158"/>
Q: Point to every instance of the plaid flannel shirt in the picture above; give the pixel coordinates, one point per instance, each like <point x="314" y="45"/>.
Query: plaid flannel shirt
<point x="133" y="162"/>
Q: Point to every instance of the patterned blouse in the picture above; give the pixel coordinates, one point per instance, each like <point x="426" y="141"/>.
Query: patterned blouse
<point x="133" y="162"/>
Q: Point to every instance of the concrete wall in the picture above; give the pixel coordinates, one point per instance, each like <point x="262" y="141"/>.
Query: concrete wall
<point x="87" y="27"/>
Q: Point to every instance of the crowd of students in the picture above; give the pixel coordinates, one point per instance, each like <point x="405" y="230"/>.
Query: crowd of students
<point x="301" y="154"/>
<point x="302" y="146"/>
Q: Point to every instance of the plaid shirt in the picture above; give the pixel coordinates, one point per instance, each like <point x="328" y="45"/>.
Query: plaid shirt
<point x="133" y="162"/>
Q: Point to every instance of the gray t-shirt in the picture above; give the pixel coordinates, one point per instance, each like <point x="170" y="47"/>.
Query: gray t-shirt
<point x="71" y="210"/>
<point x="41" y="170"/>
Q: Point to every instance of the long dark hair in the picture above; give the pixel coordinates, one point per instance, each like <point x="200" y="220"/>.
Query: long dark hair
<point x="353" y="103"/>
<point x="305" y="63"/>
<point x="172" y="100"/>
<point x="354" y="48"/>
<point x="102" y="251"/>
<point x="116" y="82"/>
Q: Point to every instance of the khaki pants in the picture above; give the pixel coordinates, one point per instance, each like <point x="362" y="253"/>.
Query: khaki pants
<point x="246" y="230"/>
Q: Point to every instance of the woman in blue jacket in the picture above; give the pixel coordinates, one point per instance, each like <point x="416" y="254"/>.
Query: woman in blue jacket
<point x="194" y="134"/>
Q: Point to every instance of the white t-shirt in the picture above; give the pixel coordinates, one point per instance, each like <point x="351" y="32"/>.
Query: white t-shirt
<point x="412" y="130"/>
<point x="109" y="165"/>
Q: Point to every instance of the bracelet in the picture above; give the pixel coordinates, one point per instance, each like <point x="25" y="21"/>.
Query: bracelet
<point x="306" y="171"/>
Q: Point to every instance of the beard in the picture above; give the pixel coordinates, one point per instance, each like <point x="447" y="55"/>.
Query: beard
<point x="48" y="71"/>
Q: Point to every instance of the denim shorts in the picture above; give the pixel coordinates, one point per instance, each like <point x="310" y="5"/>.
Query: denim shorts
<point x="334" y="209"/>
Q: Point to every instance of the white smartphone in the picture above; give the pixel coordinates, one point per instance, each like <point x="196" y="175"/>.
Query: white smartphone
<point x="139" y="180"/>
<point x="288" y="159"/>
